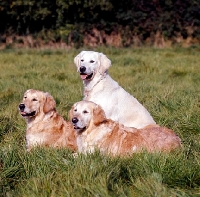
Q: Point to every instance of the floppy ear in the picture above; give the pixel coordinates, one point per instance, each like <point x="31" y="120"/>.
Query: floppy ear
<point x="98" y="115"/>
<point x="105" y="63"/>
<point x="77" y="59"/>
<point x="49" y="103"/>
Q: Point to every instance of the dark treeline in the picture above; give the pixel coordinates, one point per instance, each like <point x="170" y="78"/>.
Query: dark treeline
<point x="109" y="22"/>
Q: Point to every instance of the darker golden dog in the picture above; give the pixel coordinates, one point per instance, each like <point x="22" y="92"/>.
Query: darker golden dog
<point x="45" y="127"/>
<point x="94" y="131"/>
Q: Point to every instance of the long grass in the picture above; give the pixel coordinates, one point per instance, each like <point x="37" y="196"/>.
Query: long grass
<point x="165" y="81"/>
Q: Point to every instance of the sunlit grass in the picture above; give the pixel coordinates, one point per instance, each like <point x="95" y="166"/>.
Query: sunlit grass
<point x="165" y="81"/>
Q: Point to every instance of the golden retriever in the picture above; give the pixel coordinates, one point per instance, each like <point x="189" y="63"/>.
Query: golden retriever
<point x="100" y="88"/>
<point x="94" y="131"/>
<point x="45" y="127"/>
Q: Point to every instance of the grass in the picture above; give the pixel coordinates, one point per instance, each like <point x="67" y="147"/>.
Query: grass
<point x="165" y="81"/>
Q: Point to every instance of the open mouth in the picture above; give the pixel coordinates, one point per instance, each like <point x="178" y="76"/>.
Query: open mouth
<point x="24" y="114"/>
<point x="79" y="129"/>
<point x="85" y="76"/>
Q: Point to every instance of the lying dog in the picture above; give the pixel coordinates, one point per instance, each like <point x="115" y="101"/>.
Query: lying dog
<point x="94" y="131"/>
<point x="45" y="127"/>
<point x="100" y="88"/>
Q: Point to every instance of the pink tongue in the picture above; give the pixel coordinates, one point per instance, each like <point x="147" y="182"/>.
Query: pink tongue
<point x="83" y="77"/>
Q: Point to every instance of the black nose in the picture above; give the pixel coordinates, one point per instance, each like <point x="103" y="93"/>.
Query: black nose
<point x="74" y="120"/>
<point x="21" y="107"/>
<point x="82" y="69"/>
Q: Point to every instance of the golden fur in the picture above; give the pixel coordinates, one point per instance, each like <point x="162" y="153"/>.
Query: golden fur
<point x="45" y="127"/>
<point x="94" y="131"/>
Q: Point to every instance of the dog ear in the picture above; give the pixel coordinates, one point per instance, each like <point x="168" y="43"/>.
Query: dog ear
<point x="105" y="63"/>
<point x="98" y="115"/>
<point x="49" y="103"/>
<point x="77" y="59"/>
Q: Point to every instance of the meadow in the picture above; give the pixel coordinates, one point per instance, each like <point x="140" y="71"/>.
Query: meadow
<point x="165" y="81"/>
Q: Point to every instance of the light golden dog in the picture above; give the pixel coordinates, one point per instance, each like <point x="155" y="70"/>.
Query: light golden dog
<point x="101" y="89"/>
<point x="45" y="127"/>
<point x="94" y="131"/>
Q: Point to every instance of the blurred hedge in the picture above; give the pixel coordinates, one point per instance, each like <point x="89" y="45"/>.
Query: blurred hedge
<point x="94" y="22"/>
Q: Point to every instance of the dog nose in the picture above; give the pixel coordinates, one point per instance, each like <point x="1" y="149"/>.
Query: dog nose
<point x="82" y="69"/>
<point x="21" y="107"/>
<point x="74" y="120"/>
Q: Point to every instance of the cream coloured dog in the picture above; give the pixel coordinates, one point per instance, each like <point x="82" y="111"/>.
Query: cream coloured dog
<point x="95" y="131"/>
<point x="100" y="88"/>
<point x="45" y="127"/>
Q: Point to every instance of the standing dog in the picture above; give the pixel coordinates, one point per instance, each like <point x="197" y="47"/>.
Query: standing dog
<point x="94" y="131"/>
<point x="100" y="88"/>
<point x="45" y="127"/>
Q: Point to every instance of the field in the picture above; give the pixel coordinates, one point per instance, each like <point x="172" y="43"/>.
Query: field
<point x="165" y="81"/>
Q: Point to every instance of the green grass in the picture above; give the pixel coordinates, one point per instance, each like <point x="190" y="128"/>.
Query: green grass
<point x="165" y="81"/>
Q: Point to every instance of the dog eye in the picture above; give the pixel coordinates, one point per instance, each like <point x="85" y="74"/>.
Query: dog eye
<point x="82" y="60"/>
<point x="75" y="110"/>
<point x="85" y="112"/>
<point x="34" y="99"/>
<point x="91" y="61"/>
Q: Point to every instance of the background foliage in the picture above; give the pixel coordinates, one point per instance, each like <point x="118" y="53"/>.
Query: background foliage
<point x="71" y="21"/>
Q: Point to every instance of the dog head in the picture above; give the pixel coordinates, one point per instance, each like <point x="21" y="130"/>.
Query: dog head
<point x="89" y="63"/>
<point x="86" y="113"/>
<point x="36" y="102"/>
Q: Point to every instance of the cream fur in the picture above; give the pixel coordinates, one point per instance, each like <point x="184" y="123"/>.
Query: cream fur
<point x="118" y="104"/>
